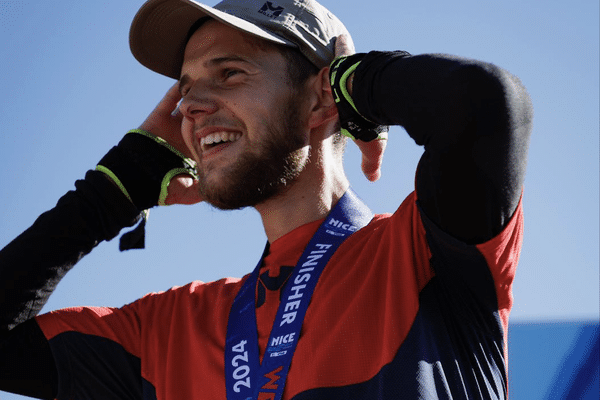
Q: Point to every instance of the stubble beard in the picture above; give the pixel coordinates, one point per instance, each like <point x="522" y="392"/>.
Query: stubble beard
<point x="266" y="170"/>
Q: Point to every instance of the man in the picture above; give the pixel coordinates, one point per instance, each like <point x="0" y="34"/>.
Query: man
<point x="409" y="305"/>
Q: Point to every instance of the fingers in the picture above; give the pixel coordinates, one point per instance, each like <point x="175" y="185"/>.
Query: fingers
<point x="372" y="157"/>
<point x="165" y="108"/>
<point x="162" y="122"/>
<point x="344" y="46"/>
<point x="168" y="104"/>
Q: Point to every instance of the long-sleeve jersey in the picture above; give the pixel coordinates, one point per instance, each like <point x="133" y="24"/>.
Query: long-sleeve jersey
<point x="415" y="304"/>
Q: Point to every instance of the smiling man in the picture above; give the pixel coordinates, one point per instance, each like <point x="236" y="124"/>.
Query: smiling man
<point x="407" y="305"/>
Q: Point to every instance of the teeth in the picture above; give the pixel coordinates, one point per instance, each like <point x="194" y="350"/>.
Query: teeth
<point x="219" y="137"/>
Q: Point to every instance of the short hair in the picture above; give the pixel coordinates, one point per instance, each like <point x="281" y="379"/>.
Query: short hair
<point x="299" y="67"/>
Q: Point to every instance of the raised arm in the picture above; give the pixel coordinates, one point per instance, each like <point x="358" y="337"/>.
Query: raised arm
<point x="142" y="171"/>
<point x="32" y="264"/>
<point x="474" y="121"/>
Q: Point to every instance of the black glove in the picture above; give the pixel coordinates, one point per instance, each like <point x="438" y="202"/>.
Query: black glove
<point x="142" y="166"/>
<point x="353" y="124"/>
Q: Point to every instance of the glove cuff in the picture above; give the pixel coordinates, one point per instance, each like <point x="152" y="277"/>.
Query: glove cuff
<point x="353" y="124"/>
<point x="142" y="166"/>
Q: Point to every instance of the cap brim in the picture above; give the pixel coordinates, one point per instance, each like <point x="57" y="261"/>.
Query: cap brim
<point x="158" y="33"/>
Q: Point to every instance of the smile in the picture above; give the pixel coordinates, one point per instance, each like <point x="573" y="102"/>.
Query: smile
<point x="213" y="139"/>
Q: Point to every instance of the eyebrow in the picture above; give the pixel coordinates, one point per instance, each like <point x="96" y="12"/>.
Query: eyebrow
<point x="214" y="62"/>
<point x="220" y="60"/>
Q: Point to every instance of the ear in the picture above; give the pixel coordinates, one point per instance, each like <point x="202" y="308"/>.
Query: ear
<point x="323" y="108"/>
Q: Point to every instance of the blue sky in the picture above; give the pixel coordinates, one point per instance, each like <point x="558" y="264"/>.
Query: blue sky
<point x="69" y="90"/>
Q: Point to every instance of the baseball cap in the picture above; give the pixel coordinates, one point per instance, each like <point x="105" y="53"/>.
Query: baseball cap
<point x="160" y="29"/>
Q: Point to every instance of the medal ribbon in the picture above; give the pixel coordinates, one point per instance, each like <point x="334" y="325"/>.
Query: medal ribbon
<point x="246" y="377"/>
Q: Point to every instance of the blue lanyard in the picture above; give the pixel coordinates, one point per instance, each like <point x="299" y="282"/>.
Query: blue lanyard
<point x="245" y="376"/>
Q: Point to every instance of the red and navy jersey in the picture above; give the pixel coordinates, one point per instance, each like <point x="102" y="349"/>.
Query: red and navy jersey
<point x="402" y="310"/>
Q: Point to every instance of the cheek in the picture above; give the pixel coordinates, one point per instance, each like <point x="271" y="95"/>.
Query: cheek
<point x="250" y="114"/>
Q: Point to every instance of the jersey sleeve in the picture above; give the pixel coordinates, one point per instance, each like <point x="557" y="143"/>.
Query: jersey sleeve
<point x="476" y="281"/>
<point x="151" y="348"/>
<point x="96" y="351"/>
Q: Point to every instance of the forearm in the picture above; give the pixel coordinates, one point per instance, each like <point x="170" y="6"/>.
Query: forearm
<point x="474" y="121"/>
<point x="32" y="264"/>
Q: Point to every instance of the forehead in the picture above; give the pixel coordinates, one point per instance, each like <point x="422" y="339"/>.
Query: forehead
<point x="215" y="39"/>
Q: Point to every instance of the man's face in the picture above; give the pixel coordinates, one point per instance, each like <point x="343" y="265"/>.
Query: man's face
<point x="242" y="120"/>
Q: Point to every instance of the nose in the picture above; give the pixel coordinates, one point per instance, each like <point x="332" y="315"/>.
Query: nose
<point x="198" y="103"/>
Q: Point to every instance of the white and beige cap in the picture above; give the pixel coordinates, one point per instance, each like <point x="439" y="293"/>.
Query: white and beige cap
<point x="161" y="28"/>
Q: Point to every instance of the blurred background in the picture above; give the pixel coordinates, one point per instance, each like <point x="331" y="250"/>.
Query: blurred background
<point x="70" y="89"/>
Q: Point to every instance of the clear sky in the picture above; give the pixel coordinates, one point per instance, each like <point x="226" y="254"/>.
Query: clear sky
<point x="70" y="89"/>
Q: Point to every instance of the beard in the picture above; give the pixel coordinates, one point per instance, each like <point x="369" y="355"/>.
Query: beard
<point x="264" y="172"/>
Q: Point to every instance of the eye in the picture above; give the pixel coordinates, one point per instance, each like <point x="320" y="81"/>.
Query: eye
<point x="231" y="72"/>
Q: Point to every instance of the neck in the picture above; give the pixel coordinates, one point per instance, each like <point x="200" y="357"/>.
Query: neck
<point x="311" y="197"/>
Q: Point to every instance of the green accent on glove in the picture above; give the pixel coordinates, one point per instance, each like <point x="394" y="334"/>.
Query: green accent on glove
<point x="344" y="87"/>
<point x="160" y="141"/>
<point x="352" y="123"/>
<point x="114" y="178"/>
<point x="142" y="166"/>
<point x="164" y="186"/>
